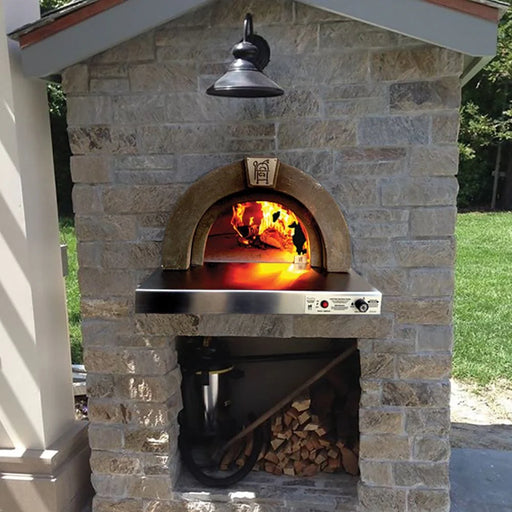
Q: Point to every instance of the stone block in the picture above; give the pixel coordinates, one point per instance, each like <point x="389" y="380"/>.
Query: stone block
<point x="138" y="49"/>
<point x="130" y="360"/>
<point x="146" y="440"/>
<point x="393" y="130"/>
<point x="105" y="437"/>
<point x="385" y="447"/>
<point x="94" y="282"/>
<point x="75" y="79"/>
<point x="108" y="70"/>
<point x="197" y="107"/>
<point x="292" y="39"/>
<point x="90" y="169"/>
<point x="344" y="326"/>
<point x="433" y="222"/>
<point x="156" y="464"/>
<point x="105" y="411"/>
<point x="100" y="385"/>
<point x="87" y="199"/>
<point x="420" y="500"/>
<point x="445" y="128"/>
<point x="231" y="13"/>
<point x="115" y="486"/>
<point x="371" y="392"/>
<point x="381" y="421"/>
<point x="156" y="487"/>
<point x="89" y="254"/>
<point x="372" y="252"/>
<point x="434" y="338"/>
<point x="416" y="394"/>
<point x="110" y="86"/>
<point x="419" y="474"/>
<point x="377" y="366"/>
<point x="434" y="160"/>
<point x="357" y="192"/>
<point x="426" y="96"/>
<point x="104" y="333"/>
<point x="390" y="281"/>
<point x="115" y="307"/>
<point x="355" y="108"/>
<point x="145" y="162"/>
<point x="86" y="110"/>
<point x="297" y="103"/>
<point x="246" y="325"/>
<point x="108" y="505"/>
<point x="376" y="473"/>
<point x="316" y="134"/>
<point x="101" y="139"/>
<point x="428" y="421"/>
<point x="137" y="255"/>
<point x="318" y="163"/>
<point x="431" y="282"/>
<point x="141" y="198"/>
<point x="163" y="77"/>
<point x="353" y="34"/>
<point x="113" y="463"/>
<point x="105" y="227"/>
<point x="153" y="415"/>
<point x="381" y="499"/>
<point x="420" y="192"/>
<point x="415" y="63"/>
<point x="431" y="449"/>
<point x="335" y="69"/>
<point x="185" y="325"/>
<point x="424" y="366"/>
<point x="420" y="311"/>
<point x="140" y="109"/>
<point x="148" y="388"/>
<point x="425" y="253"/>
<point x="371" y="168"/>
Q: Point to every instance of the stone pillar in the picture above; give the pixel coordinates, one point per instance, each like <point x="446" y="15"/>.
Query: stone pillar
<point x="43" y="452"/>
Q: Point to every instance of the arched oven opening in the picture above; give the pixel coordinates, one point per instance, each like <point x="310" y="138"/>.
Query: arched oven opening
<point x="245" y="229"/>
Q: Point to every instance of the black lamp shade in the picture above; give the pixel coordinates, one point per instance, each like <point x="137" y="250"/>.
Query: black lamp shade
<point x="244" y="78"/>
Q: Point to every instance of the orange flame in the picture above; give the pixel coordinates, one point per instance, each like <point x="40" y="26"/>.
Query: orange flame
<point x="260" y="223"/>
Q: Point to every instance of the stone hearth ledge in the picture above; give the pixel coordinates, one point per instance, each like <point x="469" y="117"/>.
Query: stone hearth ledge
<point x="57" y="478"/>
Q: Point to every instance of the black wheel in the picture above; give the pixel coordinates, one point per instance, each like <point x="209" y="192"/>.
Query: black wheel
<point x="216" y="468"/>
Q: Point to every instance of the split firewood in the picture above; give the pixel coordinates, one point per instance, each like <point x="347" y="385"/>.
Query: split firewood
<point x="302" y="404"/>
<point x="349" y="461"/>
<point x="289" y="470"/>
<point x="271" y="457"/>
<point x="276" y="443"/>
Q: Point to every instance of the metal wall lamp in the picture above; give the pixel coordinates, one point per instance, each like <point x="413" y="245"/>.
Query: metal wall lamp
<point x="244" y="77"/>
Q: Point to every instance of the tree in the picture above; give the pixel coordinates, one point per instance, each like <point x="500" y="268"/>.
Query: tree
<point x="60" y="142"/>
<point x="486" y="128"/>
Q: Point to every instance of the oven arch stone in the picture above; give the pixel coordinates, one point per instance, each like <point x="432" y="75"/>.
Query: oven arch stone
<point x="181" y="231"/>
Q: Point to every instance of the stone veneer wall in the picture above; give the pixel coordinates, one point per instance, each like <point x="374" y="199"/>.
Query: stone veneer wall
<point x="373" y="117"/>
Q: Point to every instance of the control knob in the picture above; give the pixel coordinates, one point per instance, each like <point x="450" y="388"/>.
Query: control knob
<point x="361" y="305"/>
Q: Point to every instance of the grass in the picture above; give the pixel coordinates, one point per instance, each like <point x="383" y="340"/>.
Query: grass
<point x="67" y="236"/>
<point x="483" y="297"/>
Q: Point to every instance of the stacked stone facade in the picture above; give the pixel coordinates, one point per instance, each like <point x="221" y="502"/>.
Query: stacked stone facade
<point x="373" y="116"/>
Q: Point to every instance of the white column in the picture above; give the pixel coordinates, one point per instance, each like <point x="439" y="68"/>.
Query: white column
<point x="36" y="399"/>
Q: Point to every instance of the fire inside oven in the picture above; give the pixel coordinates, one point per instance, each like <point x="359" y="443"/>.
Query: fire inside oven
<point x="258" y="231"/>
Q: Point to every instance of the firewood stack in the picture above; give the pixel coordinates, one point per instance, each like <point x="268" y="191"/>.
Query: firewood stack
<point x="316" y="432"/>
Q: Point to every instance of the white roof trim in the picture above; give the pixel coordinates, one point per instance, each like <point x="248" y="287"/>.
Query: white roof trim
<point x="417" y="19"/>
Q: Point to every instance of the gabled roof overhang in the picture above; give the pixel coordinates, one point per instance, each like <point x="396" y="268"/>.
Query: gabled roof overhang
<point x="88" y="27"/>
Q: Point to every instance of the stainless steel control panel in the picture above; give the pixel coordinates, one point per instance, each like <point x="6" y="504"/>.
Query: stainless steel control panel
<point x="342" y="304"/>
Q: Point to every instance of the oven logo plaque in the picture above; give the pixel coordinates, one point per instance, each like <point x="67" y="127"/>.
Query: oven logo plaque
<point x="261" y="172"/>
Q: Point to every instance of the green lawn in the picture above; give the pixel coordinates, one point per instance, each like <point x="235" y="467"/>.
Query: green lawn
<point x="483" y="303"/>
<point x="67" y="236"/>
<point x="483" y="297"/>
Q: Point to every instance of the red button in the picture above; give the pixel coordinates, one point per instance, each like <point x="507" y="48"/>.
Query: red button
<point x="324" y="304"/>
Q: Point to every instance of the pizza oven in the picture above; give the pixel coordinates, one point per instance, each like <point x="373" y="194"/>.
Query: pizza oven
<point x="257" y="236"/>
